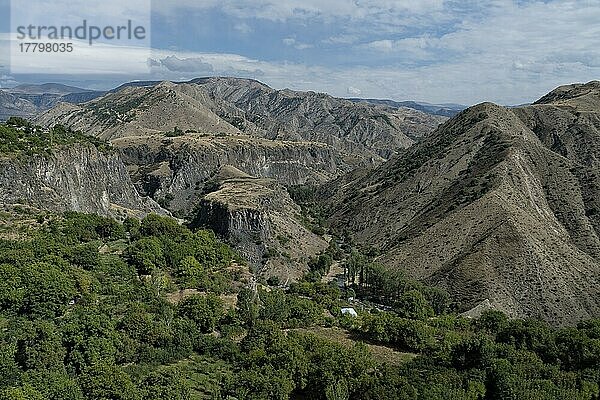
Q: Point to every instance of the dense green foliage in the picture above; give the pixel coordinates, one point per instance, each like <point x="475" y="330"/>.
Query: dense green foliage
<point x="95" y="309"/>
<point x="313" y="214"/>
<point x="409" y="298"/>
<point x="20" y="138"/>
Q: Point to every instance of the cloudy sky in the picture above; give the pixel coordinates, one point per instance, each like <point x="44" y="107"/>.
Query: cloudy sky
<point x="440" y="51"/>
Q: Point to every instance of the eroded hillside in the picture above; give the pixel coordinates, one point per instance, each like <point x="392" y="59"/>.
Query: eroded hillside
<point x="496" y="204"/>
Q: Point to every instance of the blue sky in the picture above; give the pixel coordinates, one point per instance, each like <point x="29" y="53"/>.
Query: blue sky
<point x="508" y="52"/>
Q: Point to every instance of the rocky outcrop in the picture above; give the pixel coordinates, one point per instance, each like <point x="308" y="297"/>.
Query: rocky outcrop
<point x="261" y="221"/>
<point x="249" y="230"/>
<point x="76" y="178"/>
<point x="179" y="169"/>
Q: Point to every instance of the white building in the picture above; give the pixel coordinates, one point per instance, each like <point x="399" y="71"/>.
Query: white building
<point x="349" y="311"/>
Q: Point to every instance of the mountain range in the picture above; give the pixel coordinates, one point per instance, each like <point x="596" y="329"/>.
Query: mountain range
<point x="497" y="205"/>
<point x="174" y="136"/>
<point x="177" y="139"/>
<point x="29" y="100"/>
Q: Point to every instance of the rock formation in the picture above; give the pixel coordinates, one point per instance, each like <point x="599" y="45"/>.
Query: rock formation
<point x="260" y="219"/>
<point x="76" y="178"/>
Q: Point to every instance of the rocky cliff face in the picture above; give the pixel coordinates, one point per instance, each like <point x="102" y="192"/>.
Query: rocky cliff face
<point x="261" y="221"/>
<point x="180" y="168"/>
<point x="77" y="178"/>
<point x="496" y="204"/>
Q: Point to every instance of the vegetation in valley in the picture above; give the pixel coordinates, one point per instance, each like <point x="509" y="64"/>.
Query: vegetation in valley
<point x="92" y="308"/>
<point x="313" y="214"/>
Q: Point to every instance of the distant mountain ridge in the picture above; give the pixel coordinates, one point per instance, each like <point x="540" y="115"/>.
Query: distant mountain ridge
<point x="235" y="105"/>
<point x="29" y="100"/>
<point x="47" y="88"/>
<point x="445" y="110"/>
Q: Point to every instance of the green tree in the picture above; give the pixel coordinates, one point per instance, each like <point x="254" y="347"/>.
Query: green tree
<point x="39" y="345"/>
<point x="337" y="391"/>
<point x="10" y="373"/>
<point x="191" y="273"/>
<point x="275" y="306"/>
<point x="205" y="311"/>
<point x="159" y="226"/>
<point x="12" y="290"/>
<point x="49" y="290"/>
<point x="108" y="382"/>
<point x="473" y="352"/>
<point x="90" y="338"/>
<point x="248" y="306"/>
<point x="492" y="321"/>
<point x="54" y="384"/>
<point x="165" y="384"/>
<point x="146" y="255"/>
<point x="132" y="225"/>
<point x="24" y="392"/>
<point x="413" y="305"/>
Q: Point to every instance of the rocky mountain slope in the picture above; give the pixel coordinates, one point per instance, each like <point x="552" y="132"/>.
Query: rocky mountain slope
<point x="75" y="178"/>
<point x="290" y="115"/>
<point x="260" y="219"/>
<point x="15" y="106"/>
<point x="498" y="204"/>
<point x="174" y="136"/>
<point x="233" y="106"/>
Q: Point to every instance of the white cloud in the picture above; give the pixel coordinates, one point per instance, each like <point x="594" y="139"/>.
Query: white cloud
<point x="192" y="65"/>
<point x="341" y="39"/>
<point x="99" y="59"/>
<point x="297" y="45"/>
<point x="7" y="81"/>
<point x="303" y="46"/>
<point x="73" y="11"/>
<point x="353" y="91"/>
<point x="281" y="10"/>
<point x="386" y="45"/>
<point x="513" y="54"/>
<point x="243" y="28"/>
<point x="438" y="51"/>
